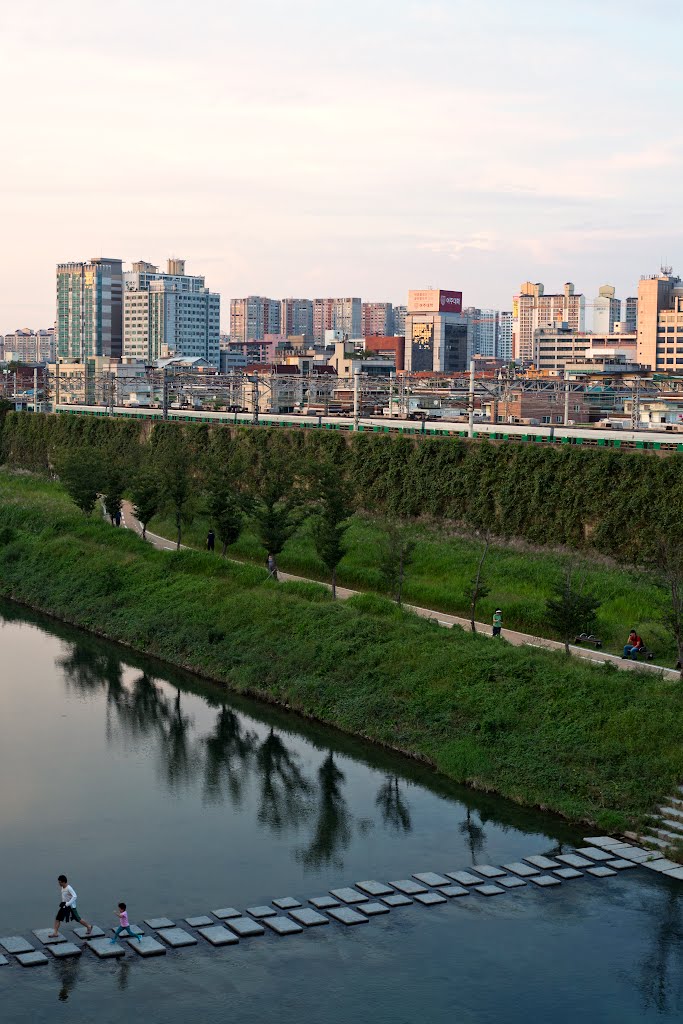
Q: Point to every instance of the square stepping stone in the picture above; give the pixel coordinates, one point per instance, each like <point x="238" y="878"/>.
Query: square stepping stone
<point x="62" y="950"/>
<point x="463" y="877"/>
<point x="373" y="909"/>
<point x="34" y="959"/>
<point x="218" y="935"/>
<point x="408" y="887"/>
<point x="575" y="861"/>
<point x="453" y="890"/>
<point x="430" y="899"/>
<point x="348" y="895"/>
<point x="81" y="932"/>
<point x="309" y="918"/>
<point x="545" y="880"/>
<point x="662" y="865"/>
<point x="133" y="930"/>
<point x="593" y="854"/>
<point x="511" y="882"/>
<point x="286" y="903"/>
<point x="489" y="890"/>
<point x="539" y="861"/>
<point x="568" y="873"/>
<point x="3" y="961"/>
<point x="261" y="911"/>
<point x="245" y="927"/>
<point x="397" y="900"/>
<point x="430" y="878"/>
<point x="324" y="902"/>
<point x="620" y="864"/>
<point x="199" y="922"/>
<point x="347" y="916"/>
<point x="600" y="871"/>
<point x="635" y="854"/>
<point x="105" y="949"/>
<point x="147" y="946"/>
<point x="44" y="935"/>
<point x="226" y="913"/>
<point x="175" y="937"/>
<point x="602" y="841"/>
<point x="282" y="925"/>
<point x="488" y="871"/>
<point x="518" y="868"/>
<point x="160" y="922"/>
<point x="16" y="944"/>
<point x="373" y="888"/>
<point x="676" y="873"/>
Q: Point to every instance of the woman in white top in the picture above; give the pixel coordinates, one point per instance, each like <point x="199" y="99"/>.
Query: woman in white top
<point x="67" y="907"/>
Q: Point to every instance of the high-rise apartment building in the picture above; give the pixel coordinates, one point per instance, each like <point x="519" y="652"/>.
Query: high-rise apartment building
<point x="631" y="314"/>
<point x="27" y="346"/>
<point x="296" y="317"/>
<point x="343" y="315"/>
<point x="171" y="314"/>
<point x="377" y="320"/>
<point x="505" y="336"/>
<point x="483" y="325"/>
<point x="606" y="310"/>
<point x="436" y="332"/>
<point x="660" y="322"/>
<point x="400" y="320"/>
<point x="532" y="309"/>
<point x="89" y="309"/>
<point x="254" y="317"/>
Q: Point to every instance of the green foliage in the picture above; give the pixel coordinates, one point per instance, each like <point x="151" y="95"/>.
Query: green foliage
<point x="223" y="505"/>
<point x="81" y="474"/>
<point x="396" y="554"/>
<point x="571" y="610"/>
<point x="334" y="506"/>
<point x="276" y="512"/>
<point x="145" y="493"/>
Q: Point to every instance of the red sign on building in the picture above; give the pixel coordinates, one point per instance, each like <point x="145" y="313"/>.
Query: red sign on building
<point x="434" y="300"/>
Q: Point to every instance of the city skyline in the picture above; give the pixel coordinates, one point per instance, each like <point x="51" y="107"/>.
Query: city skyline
<point x="439" y="146"/>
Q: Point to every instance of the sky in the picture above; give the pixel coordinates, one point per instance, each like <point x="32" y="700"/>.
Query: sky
<point x="310" y="148"/>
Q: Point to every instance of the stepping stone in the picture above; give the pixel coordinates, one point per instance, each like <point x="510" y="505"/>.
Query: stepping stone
<point x="518" y="868"/>
<point x="308" y="917"/>
<point x="134" y="930"/>
<point x="602" y="841"/>
<point x="245" y="927"/>
<point x="43" y="935"/>
<point x="283" y="925"/>
<point x="621" y="864"/>
<point x="65" y="949"/>
<point x="218" y="935"/>
<point x="589" y="851"/>
<point x="147" y="946"/>
<point x="545" y="880"/>
<point x="373" y="888"/>
<point x="539" y="861"/>
<point x="261" y="911"/>
<point x="568" y="873"/>
<point x="372" y="909"/>
<point x="397" y="900"/>
<point x="430" y="899"/>
<point x="575" y="862"/>
<point x="408" y="887"/>
<point x="159" y="922"/>
<point x="286" y="903"/>
<point x="662" y="865"/>
<point x="453" y="890"/>
<point x="82" y="932"/>
<point x="347" y="916"/>
<point x="431" y="878"/>
<point x="105" y="949"/>
<point x="199" y="922"/>
<point x="3" y="961"/>
<point x="489" y="890"/>
<point x="463" y="877"/>
<point x="34" y="959"/>
<point x="488" y="871"/>
<point x="324" y="902"/>
<point x="511" y="882"/>
<point x="348" y="895"/>
<point x="676" y="873"/>
<point x="175" y="937"/>
<point x="226" y="913"/>
<point x="636" y="855"/>
<point x="15" y="944"/>
<point x="600" y="872"/>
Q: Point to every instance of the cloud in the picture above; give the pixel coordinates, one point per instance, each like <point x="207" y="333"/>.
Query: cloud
<point x="455" y="249"/>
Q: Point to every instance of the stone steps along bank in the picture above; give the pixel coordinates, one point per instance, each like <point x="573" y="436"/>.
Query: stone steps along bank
<point x="348" y="905"/>
<point x="667" y="830"/>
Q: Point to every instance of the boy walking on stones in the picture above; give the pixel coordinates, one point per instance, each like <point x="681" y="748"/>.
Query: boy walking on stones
<point x="67" y="907"/>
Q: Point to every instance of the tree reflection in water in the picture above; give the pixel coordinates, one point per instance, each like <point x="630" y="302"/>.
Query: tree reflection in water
<point x="178" y="752"/>
<point x="394" y="808"/>
<point x="663" y="963"/>
<point x="332" y="832"/>
<point x="474" y="834"/>
<point x="285" y="791"/>
<point x="229" y="756"/>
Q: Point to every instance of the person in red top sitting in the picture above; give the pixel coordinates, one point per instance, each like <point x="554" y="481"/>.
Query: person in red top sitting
<point x="634" y="644"/>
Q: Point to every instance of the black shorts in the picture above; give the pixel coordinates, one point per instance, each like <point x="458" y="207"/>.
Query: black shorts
<point x="65" y="913"/>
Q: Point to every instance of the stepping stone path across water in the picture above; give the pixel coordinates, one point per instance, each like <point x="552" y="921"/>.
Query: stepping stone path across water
<point x="218" y="935"/>
<point x="373" y="888"/>
<point x="286" y="903"/>
<point x="63" y="950"/>
<point x="147" y="946"/>
<point x="311" y="918"/>
<point x="176" y="938"/>
<point x="283" y="925"/>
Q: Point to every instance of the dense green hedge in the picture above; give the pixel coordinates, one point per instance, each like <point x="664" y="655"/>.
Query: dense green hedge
<point x="612" y="500"/>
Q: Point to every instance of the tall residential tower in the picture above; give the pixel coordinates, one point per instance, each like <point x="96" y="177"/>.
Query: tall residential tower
<point x="89" y="309"/>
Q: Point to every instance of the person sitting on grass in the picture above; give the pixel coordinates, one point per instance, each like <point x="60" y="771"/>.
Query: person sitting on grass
<point x="633" y="646"/>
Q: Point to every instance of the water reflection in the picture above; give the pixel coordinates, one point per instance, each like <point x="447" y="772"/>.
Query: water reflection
<point x="332" y="832"/>
<point x="393" y="805"/>
<point x="229" y="751"/>
<point x="659" y="967"/>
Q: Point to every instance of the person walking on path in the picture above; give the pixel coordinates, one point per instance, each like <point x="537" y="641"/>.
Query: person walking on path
<point x="271" y="566"/>
<point x="210" y="541"/>
<point x="122" y="914"/>
<point x="67" y="907"/>
<point x="497" y="622"/>
<point x="117" y="517"/>
<point x="633" y="645"/>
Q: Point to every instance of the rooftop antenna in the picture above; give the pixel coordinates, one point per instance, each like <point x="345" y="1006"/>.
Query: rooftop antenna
<point x="666" y="269"/>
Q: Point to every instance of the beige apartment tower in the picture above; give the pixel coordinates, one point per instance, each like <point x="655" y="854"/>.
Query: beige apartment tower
<point x="532" y="309"/>
<point x="660" y="322"/>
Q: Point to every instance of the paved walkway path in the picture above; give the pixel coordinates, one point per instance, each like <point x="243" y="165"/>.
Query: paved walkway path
<point x="443" y="619"/>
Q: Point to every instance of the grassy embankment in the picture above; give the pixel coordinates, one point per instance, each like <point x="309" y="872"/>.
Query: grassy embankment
<point x="519" y="578"/>
<point x="591" y="743"/>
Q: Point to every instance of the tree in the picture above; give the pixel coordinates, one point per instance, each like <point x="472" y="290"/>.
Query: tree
<point x="276" y="512"/>
<point x="80" y="472"/>
<point x="146" y="497"/>
<point x="396" y="554"/>
<point x="478" y="588"/>
<point x="572" y="609"/>
<point x="666" y="565"/>
<point x="225" y="508"/>
<point x="114" y="484"/>
<point x="175" y="476"/>
<point x="335" y="506"/>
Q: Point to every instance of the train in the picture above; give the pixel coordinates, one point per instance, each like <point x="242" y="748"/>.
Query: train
<point x="540" y="434"/>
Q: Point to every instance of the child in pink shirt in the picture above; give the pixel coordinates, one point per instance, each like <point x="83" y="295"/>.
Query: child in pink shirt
<point x="124" y="925"/>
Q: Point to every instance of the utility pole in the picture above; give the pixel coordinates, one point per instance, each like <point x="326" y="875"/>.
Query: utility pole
<point x="470" y="402"/>
<point x="566" y="403"/>
<point x="356" y="398"/>
<point x="255" y="400"/>
<point x="35" y="389"/>
<point x="164" y="393"/>
<point x="635" y="408"/>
